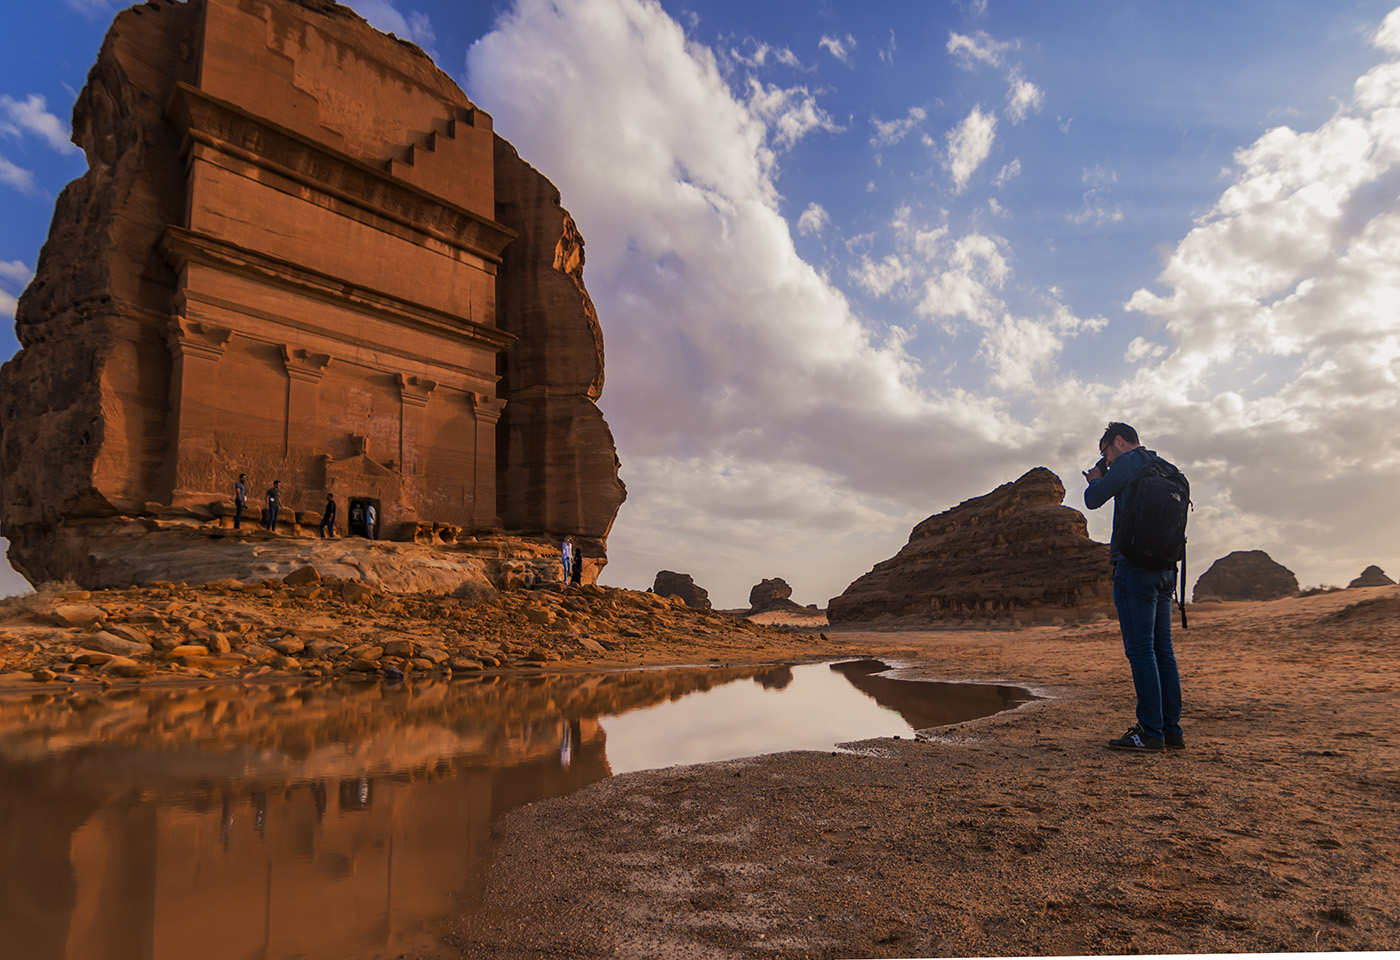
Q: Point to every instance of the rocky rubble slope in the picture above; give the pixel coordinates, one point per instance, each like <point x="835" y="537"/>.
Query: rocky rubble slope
<point x="305" y="626"/>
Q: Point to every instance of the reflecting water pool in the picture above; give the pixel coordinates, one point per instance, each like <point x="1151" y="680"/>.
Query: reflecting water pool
<point x="339" y="821"/>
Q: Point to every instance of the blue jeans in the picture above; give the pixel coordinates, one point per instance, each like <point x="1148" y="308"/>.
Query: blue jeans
<point x="1144" y="602"/>
<point x="272" y="510"/>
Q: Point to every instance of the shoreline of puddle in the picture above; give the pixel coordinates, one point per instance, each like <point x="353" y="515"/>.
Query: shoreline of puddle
<point x="279" y="820"/>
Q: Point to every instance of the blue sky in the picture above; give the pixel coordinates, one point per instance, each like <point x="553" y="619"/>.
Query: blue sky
<point x="857" y="262"/>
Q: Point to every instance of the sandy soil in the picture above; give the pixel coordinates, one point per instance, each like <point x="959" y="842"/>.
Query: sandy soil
<point x="1276" y="830"/>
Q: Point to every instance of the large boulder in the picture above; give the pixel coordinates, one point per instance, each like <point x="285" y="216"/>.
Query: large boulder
<point x="1245" y="575"/>
<point x="1372" y="576"/>
<point x="769" y="595"/>
<point x="299" y="252"/>
<point x="671" y="584"/>
<point x="1015" y="552"/>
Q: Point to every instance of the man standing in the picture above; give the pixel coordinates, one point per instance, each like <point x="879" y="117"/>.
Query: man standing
<point x="274" y="504"/>
<point x="1143" y="598"/>
<point x="371" y="518"/>
<point x="328" y="517"/>
<point x="240" y="499"/>
<point x="566" y="557"/>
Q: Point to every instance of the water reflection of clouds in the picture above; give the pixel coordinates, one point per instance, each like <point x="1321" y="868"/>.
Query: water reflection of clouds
<point x="817" y="710"/>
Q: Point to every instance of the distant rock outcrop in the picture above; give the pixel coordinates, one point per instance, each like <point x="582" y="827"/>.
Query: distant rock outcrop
<point x="671" y="584"/>
<point x="769" y="595"/>
<point x="1015" y="552"/>
<point x="1372" y="576"/>
<point x="1245" y="575"/>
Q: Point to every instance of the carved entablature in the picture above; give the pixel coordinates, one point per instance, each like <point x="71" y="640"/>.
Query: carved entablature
<point x="228" y="129"/>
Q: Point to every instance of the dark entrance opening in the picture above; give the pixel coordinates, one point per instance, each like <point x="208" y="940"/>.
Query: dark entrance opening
<point x="363" y="518"/>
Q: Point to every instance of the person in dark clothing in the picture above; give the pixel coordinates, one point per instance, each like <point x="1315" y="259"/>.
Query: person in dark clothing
<point x="576" y="565"/>
<point x="1144" y="601"/>
<point x="240" y="499"/>
<point x="328" y="517"/>
<point x="274" y="504"/>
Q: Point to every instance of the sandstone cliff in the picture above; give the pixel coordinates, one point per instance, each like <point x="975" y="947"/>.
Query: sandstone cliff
<point x="1016" y="552"/>
<point x="300" y="253"/>
<point x="1245" y="575"/>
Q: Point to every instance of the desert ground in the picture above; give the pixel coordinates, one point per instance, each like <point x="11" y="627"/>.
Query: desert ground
<point x="1019" y="834"/>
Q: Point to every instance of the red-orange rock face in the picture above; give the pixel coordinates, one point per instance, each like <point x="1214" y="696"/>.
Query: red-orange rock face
<point x="299" y="253"/>
<point x="1015" y="552"/>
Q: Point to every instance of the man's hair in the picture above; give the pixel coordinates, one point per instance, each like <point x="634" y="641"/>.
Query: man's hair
<point x="1117" y="429"/>
<point x="242" y="475"/>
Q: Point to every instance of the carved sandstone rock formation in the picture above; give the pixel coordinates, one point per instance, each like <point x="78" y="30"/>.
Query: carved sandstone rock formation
<point x="300" y="253"/>
<point x="1015" y="552"/>
<point x="682" y="585"/>
<point x="1372" y="576"/>
<point x="769" y="595"/>
<point x="1245" y="575"/>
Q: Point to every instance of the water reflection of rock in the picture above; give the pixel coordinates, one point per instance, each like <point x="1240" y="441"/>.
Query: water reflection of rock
<point x="927" y="703"/>
<point x="281" y="821"/>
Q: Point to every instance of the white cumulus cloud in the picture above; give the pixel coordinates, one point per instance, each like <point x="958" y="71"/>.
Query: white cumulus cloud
<point x="969" y="143"/>
<point x="385" y="15"/>
<point x="31" y="116"/>
<point x="813" y="220"/>
<point x="17" y="177"/>
<point x="890" y="132"/>
<point x="838" y="47"/>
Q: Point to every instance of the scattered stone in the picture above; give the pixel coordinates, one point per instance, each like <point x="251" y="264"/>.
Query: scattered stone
<point x="109" y="643"/>
<point x="353" y="591"/>
<point x="399" y="648"/>
<point x="44" y="676"/>
<point x="325" y="649"/>
<point x="592" y="646"/>
<point x="541" y="616"/>
<point x="75" y="615"/>
<point x="304" y="575"/>
<point x="289" y="646"/>
<point x="127" y="632"/>
<point x="126" y="667"/>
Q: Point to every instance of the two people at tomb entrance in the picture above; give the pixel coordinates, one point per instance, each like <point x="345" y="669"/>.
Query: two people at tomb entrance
<point x="571" y="556"/>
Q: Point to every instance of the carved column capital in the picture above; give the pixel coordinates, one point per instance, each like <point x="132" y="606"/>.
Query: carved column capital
<point x="193" y="338"/>
<point x="488" y="409"/>
<point x="303" y="365"/>
<point x="414" y="391"/>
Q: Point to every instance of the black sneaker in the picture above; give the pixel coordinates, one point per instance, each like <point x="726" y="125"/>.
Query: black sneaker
<point x="1137" y="739"/>
<point x="1176" y="743"/>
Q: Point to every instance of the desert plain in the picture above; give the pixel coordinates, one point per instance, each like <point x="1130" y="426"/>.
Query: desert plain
<point x="1276" y="830"/>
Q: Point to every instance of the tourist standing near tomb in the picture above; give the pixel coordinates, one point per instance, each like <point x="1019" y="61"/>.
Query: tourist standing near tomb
<point x="371" y="515"/>
<point x="328" y="517"/>
<point x="240" y="499"/>
<point x="274" y="504"/>
<point x="576" y="566"/>
<point x="1143" y="597"/>
<point x="566" y="556"/>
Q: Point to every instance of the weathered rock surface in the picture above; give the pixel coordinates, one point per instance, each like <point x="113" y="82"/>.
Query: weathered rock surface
<point x="769" y="595"/>
<point x="300" y="253"/>
<point x="671" y="584"/>
<point x="1245" y="575"/>
<point x="1016" y="552"/>
<point x="1372" y="576"/>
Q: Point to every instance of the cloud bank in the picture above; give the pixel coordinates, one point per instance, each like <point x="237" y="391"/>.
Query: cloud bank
<point x="768" y="428"/>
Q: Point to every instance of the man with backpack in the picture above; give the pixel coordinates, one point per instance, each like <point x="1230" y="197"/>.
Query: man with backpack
<point x="1150" y="500"/>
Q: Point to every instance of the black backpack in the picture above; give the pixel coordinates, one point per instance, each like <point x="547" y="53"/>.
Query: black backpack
<point x="1153" y="534"/>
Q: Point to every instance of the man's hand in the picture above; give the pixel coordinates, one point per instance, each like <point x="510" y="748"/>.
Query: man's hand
<point x="1092" y="474"/>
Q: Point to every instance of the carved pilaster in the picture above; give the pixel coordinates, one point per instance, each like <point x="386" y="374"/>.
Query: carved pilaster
<point x="487" y="412"/>
<point x="413" y="398"/>
<point x="304" y="372"/>
<point x="195" y="350"/>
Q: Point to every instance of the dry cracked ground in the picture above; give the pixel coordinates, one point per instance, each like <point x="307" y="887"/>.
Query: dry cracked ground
<point x="1020" y="834"/>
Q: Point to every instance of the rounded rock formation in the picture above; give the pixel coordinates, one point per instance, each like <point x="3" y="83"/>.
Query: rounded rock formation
<point x="1372" y="576"/>
<point x="671" y="584"/>
<point x="1245" y="575"/>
